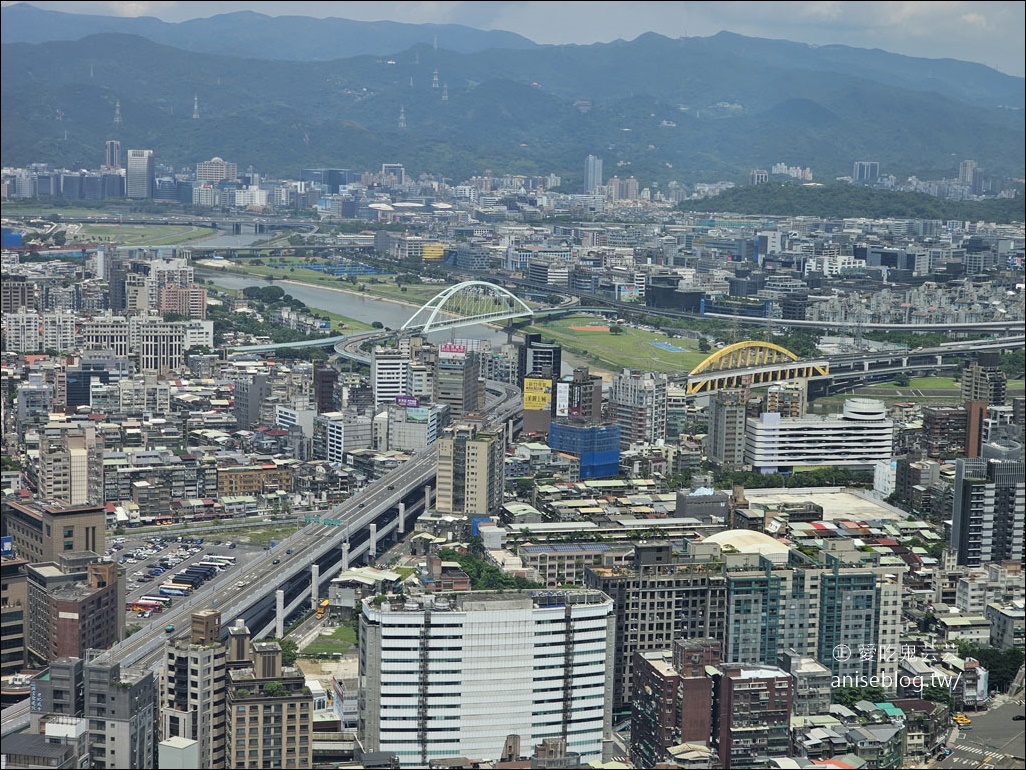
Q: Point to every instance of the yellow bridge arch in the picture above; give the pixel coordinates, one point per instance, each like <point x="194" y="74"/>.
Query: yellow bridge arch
<point x="749" y="363"/>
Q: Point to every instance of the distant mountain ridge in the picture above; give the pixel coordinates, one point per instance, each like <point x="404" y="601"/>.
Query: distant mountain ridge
<point x="692" y="109"/>
<point x="255" y="35"/>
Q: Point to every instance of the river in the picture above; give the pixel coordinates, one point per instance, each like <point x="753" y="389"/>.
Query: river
<point x="362" y="307"/>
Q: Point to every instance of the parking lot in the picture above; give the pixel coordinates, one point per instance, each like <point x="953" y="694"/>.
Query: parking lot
<point x="150" y="562"/>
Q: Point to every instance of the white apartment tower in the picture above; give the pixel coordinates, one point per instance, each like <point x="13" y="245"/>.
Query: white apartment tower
<point x="454" y="675"/>
<point x="638" y="403"/>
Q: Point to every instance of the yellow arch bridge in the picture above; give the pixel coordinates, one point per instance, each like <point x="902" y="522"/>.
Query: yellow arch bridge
<point x="751" y="363"/>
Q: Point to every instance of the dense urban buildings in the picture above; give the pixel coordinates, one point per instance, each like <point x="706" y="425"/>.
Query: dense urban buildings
<point x="678" y="525"/>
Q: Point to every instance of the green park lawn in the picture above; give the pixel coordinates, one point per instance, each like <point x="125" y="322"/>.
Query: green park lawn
<point x="415" y="294"/>
<point x="631" y="349"/>
<point x="140" y="235"/>
<point x="341" y="640"/>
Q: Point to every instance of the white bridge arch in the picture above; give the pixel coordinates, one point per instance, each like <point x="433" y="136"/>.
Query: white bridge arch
<point x="466" y="304"/>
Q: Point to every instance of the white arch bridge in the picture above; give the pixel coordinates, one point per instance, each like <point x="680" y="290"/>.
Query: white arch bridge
<point x="467" y="304"/>
<point x="464" y="304"/>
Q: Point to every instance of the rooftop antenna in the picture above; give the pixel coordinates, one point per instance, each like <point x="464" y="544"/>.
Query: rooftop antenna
<point x="195" y="107"/>
<point x="117" y="112"/>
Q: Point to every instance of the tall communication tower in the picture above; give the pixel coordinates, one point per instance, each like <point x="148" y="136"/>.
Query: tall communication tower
<point x="195" y="107"/>
<point x="117" y="113"/>
<point x="402" y="116"/>
<point x="445" y="92"/>
<point x="434" y="79"/>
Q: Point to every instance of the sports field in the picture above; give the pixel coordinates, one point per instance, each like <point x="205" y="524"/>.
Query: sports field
<point x="590" y="338"/>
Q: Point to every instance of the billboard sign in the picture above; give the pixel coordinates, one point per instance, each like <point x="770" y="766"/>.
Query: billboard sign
<point x="450" y="350"/>
<point x="537" y="394"/>
<point x="563" y="399"/>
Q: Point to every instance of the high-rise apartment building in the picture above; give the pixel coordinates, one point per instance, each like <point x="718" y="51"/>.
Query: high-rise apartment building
<point x="192" y="704"/>
<point x="249" y="393"/>
<point x="637" y="403"/>
<point x="16" y="293"/>
<point x="865" y="171"/>
<point x="458" y="380"/>
<point x="269" y="712"/>
<point x="121" y="707"/>
<point x="21" y="332"/>
<point x="73" y="605"/>
<point x="966" y="170"/>
<point x="533" y="355"/>
<point x="471" y="471"/>
<point x="983" y="380"/>
<point x="756" y="605"/>
<point x="216" y="170"/>
<point x="140" y="175"/>
<point x="592" y="174"/>
<point x="59" y="331"/>
<point x="751" y="714"/>
<point x="429" y="669"/>
<point x="13" y="614"/>
<point x="70" y="464"/>
<point x="188" y="301"/>
<point x="325" y="377"/>
<point x="725" y="441"/>
<point x="989" y="511"/>
<point x="579" y="396"/>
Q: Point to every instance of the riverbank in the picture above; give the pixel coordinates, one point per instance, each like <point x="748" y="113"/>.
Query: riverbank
<point x="364" y="309"/>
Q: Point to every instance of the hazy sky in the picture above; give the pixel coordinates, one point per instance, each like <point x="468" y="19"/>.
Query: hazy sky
<point x="990" y="33"/>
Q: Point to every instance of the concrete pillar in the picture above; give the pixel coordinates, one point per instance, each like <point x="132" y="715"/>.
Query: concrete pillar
<point x="372" y="546"/>
<point x="315" y="585"/>
<point x="279" y="613"/>
<point x="345" y="556"/>
<point x="427" y="498"/>
<point x="401" y="527"/>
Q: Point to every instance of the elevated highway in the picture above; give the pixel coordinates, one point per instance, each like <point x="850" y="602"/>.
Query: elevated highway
<point x="361" y="527"/>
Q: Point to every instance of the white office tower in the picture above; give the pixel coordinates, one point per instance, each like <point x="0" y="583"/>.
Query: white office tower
<point x="389" y="374"/>
<point x="453" y="675"/>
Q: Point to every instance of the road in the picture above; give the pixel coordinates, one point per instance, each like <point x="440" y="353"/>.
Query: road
<point x="994" y="739"/>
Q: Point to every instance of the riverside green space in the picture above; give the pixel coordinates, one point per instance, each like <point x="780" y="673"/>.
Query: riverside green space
<point x="137" y="235"/>
<point x="633" y="348"/>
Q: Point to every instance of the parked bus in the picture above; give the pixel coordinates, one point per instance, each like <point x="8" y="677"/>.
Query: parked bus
<point x="164" y="600"/>
<point x="229" y="560"/>
<point x="211" y="563"/>
<point x="173" y="589"/>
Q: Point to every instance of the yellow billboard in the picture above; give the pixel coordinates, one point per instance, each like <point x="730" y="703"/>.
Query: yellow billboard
<point x="537" y="394"/>
<point x="433" y="251"/>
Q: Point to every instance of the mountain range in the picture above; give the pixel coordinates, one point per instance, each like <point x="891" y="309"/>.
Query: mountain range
<point x="661" y="109"/>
